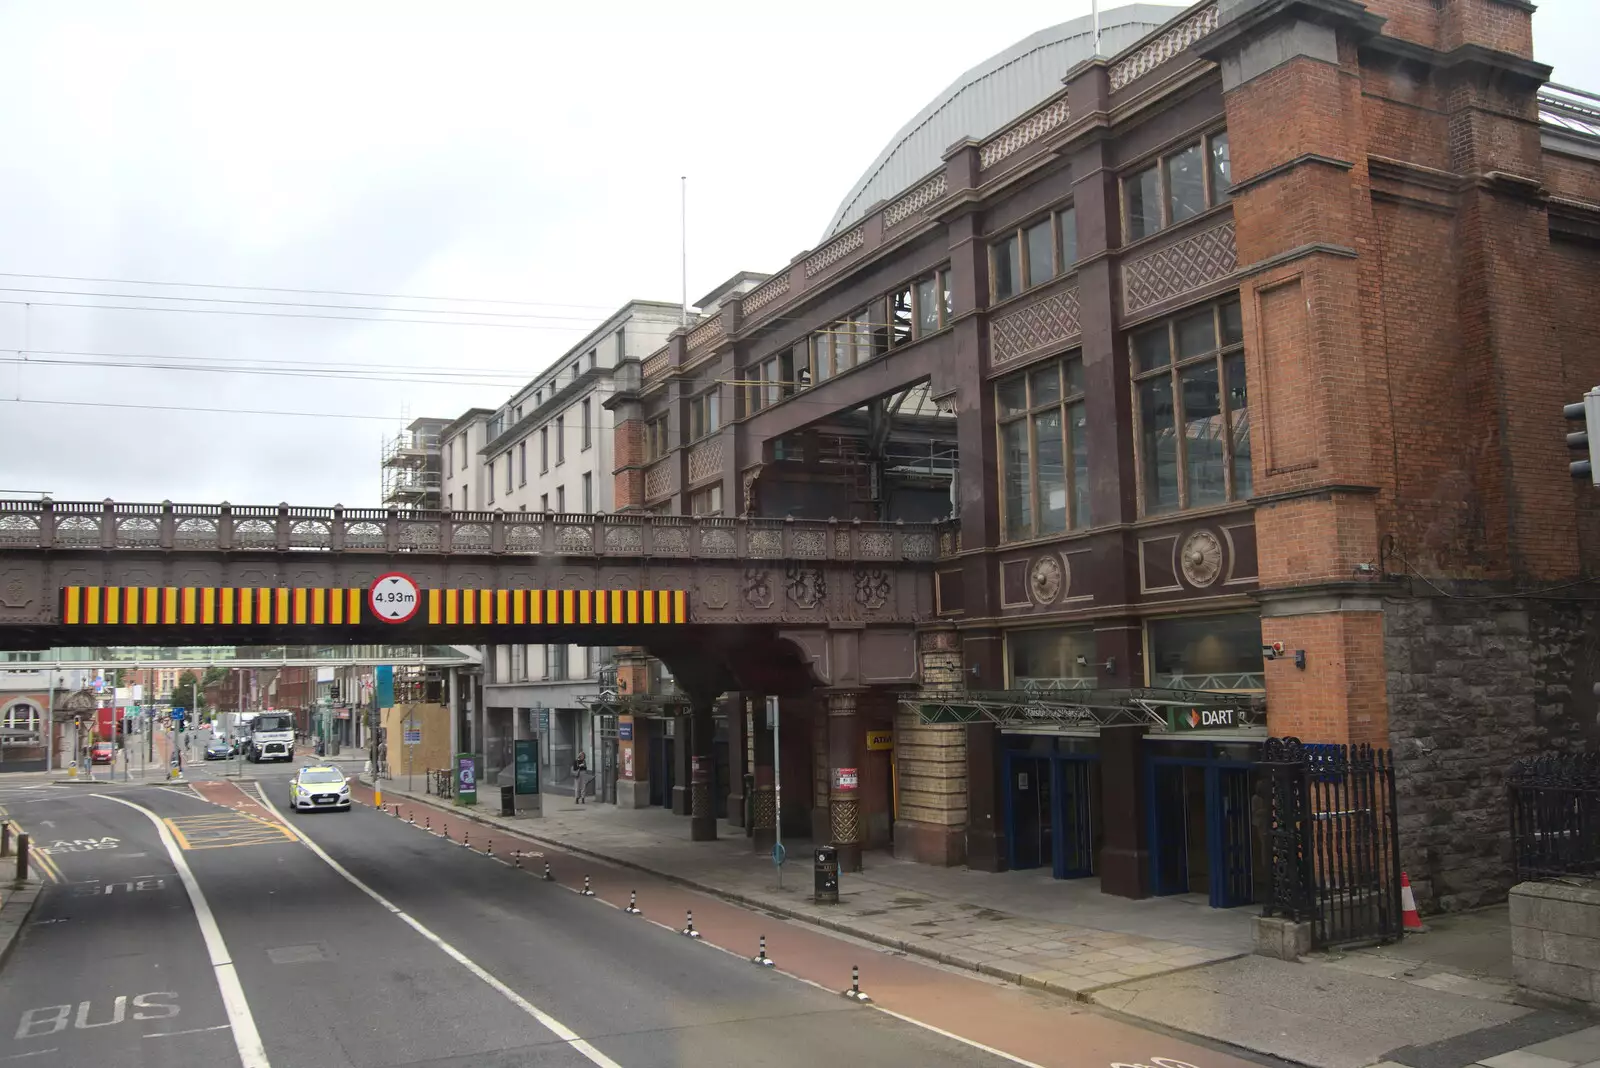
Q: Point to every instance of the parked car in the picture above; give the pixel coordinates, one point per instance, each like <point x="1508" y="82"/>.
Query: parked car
<point x="102" y="753"/>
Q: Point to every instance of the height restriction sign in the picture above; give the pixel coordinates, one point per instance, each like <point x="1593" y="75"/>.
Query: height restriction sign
<point x="394" y="597"/>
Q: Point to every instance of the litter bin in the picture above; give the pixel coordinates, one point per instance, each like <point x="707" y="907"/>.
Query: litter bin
<point x="825" y="874"/>
<point x="508" y="800"/>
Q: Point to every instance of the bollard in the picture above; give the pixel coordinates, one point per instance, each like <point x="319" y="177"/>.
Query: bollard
<point x="5" y="839"/>
<point x="516" y="857"/>
<point x="412" y="819"/>
<point x="547" y="876"/>
<point x="22" y="857"/>
<point x="688" y="925"/>
<point x="428" y="823"/>
<point x="466" y="837"/>
<point x="761" y="957"/>
<point x="633" y="903"/>
<point x="488" y="848"/>
<point x="854" y="993"/>
<point x="587" y="891"/>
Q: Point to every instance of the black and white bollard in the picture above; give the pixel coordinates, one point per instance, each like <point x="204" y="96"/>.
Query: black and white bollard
<point x="547" y="876"/>
<point x="466" y="837"/>
<point x="587" y="891"/>
<point x="854" y="993"/>
<point x="761" y="957"/>
<point x="488" y="848"/>
<point x="411" y="818"/>
<point x="427" y="824"/>
<point x="688" y="925"/>
<point x="516" y="859"/>
<point x="633" y="903"/>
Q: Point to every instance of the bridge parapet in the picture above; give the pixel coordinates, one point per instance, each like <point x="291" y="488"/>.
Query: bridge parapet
<point x="211" y="528"/>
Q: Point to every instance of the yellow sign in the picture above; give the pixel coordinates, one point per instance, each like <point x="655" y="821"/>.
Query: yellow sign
<point x="880" y="740"/>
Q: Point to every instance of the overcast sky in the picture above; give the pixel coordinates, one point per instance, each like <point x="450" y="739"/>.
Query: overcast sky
<point x="523" y="152"/>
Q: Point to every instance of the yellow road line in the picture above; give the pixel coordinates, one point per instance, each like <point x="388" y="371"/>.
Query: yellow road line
<point x="226" y="831"/>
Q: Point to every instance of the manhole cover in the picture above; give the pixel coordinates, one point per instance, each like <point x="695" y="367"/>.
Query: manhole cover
<point x="297" y="954"/>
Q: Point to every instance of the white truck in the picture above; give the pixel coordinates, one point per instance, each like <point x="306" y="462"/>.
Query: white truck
<point x="271" y="737"/>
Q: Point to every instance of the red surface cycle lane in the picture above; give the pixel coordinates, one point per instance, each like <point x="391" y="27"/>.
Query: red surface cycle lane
<point x="1024" y="1025"/>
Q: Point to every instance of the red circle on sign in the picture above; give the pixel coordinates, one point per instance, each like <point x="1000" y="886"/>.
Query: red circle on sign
<point x="386" y="611"/>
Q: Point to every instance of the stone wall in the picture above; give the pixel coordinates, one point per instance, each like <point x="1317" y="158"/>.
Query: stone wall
<point x="1474" y="682"/>
<point x="1555" y="940"/>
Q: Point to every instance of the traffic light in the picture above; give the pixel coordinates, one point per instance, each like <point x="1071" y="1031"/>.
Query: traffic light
<point x="1586" y="414"/>
<point x="183" y="725"/>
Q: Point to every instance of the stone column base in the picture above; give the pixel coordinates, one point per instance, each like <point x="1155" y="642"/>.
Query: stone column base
<point x="1123" y="872"/>
<point x="680" y="800"/>
<point x="1282" y="938"/>
<point x="633" y="794"/>
<point x="929" y="843"/>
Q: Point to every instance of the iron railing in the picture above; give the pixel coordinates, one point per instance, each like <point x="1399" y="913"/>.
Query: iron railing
<point x="1334" y="839"/>
<point x="1555" y="815"/>
<point x="441" y="782"/>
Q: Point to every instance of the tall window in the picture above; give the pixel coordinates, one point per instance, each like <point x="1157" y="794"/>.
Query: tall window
<point x="706" y="501"/>
<point x="544" y="449"/>
<point x="561" y="439"/>
<point x="461" y="443"/>
<point x="561" y="498"/>
<point x="911" y="312"/>
<point x="655" y="438"/>
<point x="1179" y="186"/>
<point x="1193" y="410"/>
<point x="544" y="502"/>
<point x="588" y="492"/>
<point x="1031" y="255"/>
<point x="1044" y="449"/>
<point x="1206" y="653"/>
<point x="594" y="361"/>
<point x="705" y="414"/>
<point x="22" y="717"/>
<point x="622" y="344"/>
<point x="588" y="437"/>
<point x="522" y="461"/>
<point x="491" y="481"/>
<point x="508" y="472"/>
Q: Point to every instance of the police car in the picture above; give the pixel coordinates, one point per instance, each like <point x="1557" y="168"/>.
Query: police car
<point x="319" y="786"/>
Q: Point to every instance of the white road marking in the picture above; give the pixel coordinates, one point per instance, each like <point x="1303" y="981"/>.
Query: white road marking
<point x="191" y="1031"/>
<point x="252" y="1054"/>
<point x="32" y="1053"/>
<point x="550" y="1023"/>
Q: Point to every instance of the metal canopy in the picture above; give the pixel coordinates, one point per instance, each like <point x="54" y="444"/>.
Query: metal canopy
<point x="1162" y="711"/>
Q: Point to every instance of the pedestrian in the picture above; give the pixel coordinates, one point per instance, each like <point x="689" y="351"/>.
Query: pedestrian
<point x="580" y="771"/>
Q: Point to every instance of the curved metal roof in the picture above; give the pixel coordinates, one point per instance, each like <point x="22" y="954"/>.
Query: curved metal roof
<point x="990" y="95"/>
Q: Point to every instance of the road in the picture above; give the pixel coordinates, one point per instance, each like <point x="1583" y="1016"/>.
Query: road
<point x="201" y="926"/>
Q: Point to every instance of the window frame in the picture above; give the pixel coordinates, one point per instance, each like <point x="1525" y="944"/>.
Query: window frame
<point x="705" y="413"/>
<point x="1213" y="198"/>
<point x="1064" y="403"/>
<point x="706" y="493"/>
<point x="490" y="480"/>
<point x="656" y="444"/>
<point x="1060" y="266"/>
<point x="544" y="449"/>
<point x="561" y="439"/>
<point x="1173" y="370"/>
<point x="522" y="461"/>
<point x="588" y="493"/>
<point x="586" y="409"/>
<point x="1148" y="648"/>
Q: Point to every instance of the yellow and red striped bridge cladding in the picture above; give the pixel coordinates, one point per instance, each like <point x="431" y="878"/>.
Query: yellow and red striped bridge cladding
<point x="347" y="606"/>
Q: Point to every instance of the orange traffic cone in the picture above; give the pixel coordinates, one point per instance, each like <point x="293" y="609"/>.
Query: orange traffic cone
<point x="1408" y="906"/>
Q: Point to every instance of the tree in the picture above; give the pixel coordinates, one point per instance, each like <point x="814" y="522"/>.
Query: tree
<point x="186" y="692"/>
<point x="214" y="674"/>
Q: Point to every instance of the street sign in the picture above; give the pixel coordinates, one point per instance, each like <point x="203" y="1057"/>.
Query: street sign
<point x="394" y="597"/>
<point x="625" y="731"/>
<point x="778" y="855"/>
<point x="1201" y="719"/>
<point x="413" y="735"/>
<point x="845" y="779"/>
<point x="879" y="740"/>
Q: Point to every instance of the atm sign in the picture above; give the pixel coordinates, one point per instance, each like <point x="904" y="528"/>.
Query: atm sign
<point x="1205" y="719"/>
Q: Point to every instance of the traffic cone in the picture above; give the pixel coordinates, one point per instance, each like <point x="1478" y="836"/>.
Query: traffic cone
<point x="1408" y="906"/>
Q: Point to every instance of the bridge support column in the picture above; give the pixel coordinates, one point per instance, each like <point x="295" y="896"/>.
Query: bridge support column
<point x="681" y="746"/>
<point x="764" y="810"/>
<point x="740" y="721"/>
<point x="702" y="759"/>
<point x="844" y="778"/>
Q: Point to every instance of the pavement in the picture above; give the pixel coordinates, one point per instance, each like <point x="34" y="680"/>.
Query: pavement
<point x="198" y="925"/>
<point x="1443" y="999"/>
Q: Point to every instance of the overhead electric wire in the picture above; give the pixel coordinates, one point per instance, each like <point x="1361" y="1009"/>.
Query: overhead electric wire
<point x="197" y="410"/>
<point x="313" y="292"/>
<point x="437" y="378"/>
<point x="482" y="372"/>
<point x="294" y="304"/>
<point x="286" y="315"/>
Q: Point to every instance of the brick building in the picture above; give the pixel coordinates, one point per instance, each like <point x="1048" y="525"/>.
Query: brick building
<point x="1255" y="330"/>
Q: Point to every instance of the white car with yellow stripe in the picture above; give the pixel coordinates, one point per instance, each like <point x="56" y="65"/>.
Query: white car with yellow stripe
<point x="319" y="786"/>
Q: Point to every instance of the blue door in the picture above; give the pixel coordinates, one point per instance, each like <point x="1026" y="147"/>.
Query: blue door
<point x="1074" y="790"/>
<point x="1201" y="829"/>
<point x="1030" y="811"/>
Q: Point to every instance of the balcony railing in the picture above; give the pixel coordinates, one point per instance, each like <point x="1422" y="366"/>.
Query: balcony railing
<point x="61" y="525"/>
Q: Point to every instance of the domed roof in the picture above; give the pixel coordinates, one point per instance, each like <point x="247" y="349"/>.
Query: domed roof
<point x="989" y="96"/>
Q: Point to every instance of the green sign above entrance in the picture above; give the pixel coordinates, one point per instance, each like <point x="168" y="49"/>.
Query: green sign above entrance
<point x="1203" y="719"/>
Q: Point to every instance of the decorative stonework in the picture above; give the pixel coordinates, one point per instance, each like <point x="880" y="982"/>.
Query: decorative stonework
<point x="810" y="543"/>
<point x="624" y="540"/>
<point x="574" y="539"/>
<point x="419" y="537"/>
<point x="670" y="541"/>
<point x="706" y="332"/>
<point x="522" y="538"/>
<point x="77" y="531"/>
<point x="1201" y="558"/>
<point x="914" y="201"/>
<point x="310" y="534"/>
<point x="660" y="479"/>
<point x="655" y="365"/>
<point x="1174" y="270"/>
<point x="255" y="534"/>
<point x="766" y="543"/>
<point x="1164" y="47"/>
<point x="1043" y="323"/>
<point x="1045" y="579"/>
<point x="19" y="530"/>
<point x="873" y="588"/>
<point x="835" y="250"/>
<point x="1023" y="133"/>
<point x="360" y="536"/>
<point x="138" y="531"/>
<point x="841" y="543"/>
<point x="705" y="461"/>
<point x="716" y="542"/>
<point x="766" y="293"/>
<point x="757" y="589"/>
<point x="919" y="547"/>
<point x="806" y="587"/>
<point x="877" y="544"/>
<point x="195" y="532"/>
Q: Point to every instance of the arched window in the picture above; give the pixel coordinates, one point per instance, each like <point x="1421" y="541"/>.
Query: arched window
<point x="21" y="715"/>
